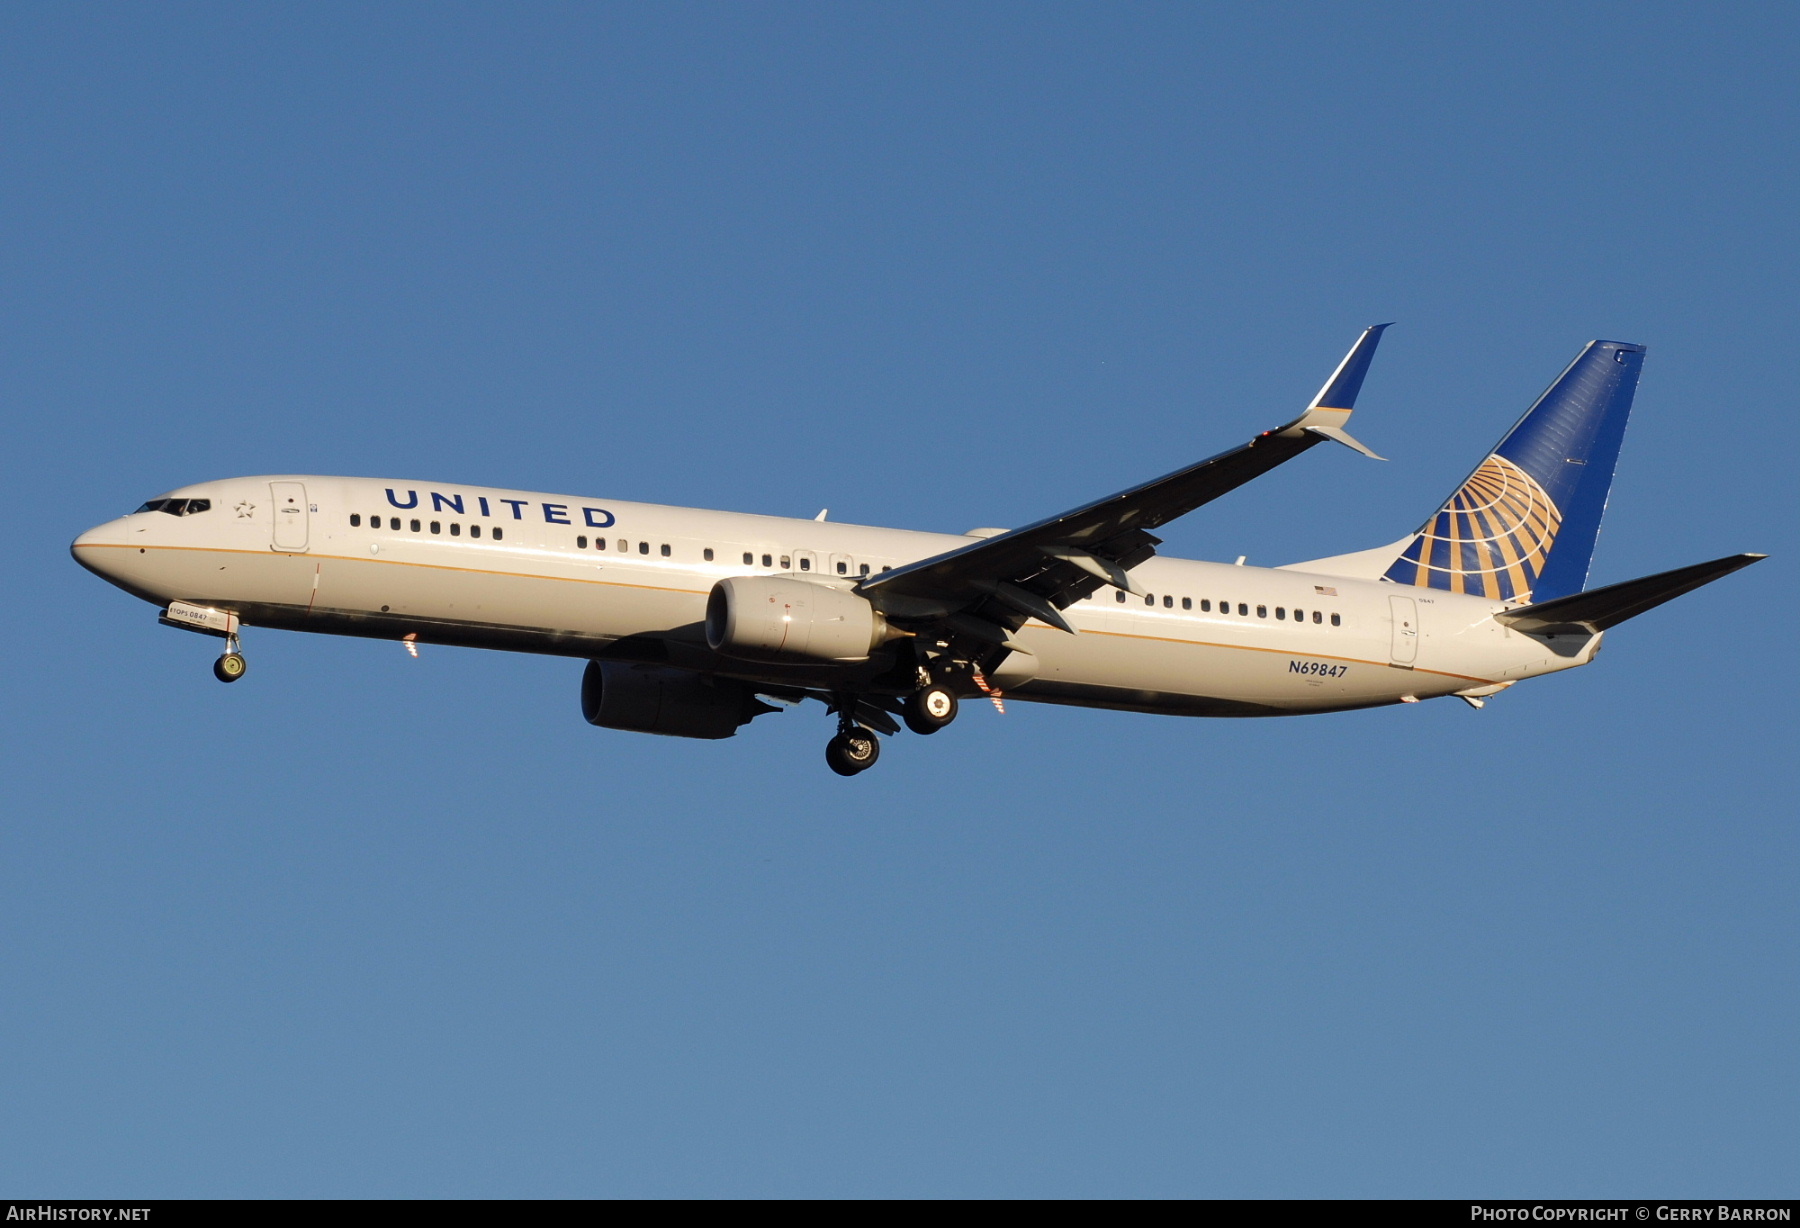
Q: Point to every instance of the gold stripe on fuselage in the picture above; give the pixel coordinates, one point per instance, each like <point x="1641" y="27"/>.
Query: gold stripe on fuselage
<point x="663" y="588"/>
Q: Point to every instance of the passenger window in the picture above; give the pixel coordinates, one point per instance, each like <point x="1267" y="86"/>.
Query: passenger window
<point x="415" y="526"/>
<point x="1149" y="598"/>
<point x="843" y="568"/>
<point x="394" y="523"/>
<point x="865" y="569"/>
<point x="1281" y="613"/>
<point x="455" y="529"/>
<point x="1120" y="594"/>
<point x="1317" y="617"/>
<point x="1168" y="602"/>
<point x="1262" y="611"/>
<point x="1187" y="603"/>
<point x="437" y="526"/>
<point x="665" y="550"/>
<point x="474" y="530"/>
<point x="707" y="554"/>
<point x="768" y="561"/>
<point x="499" y="532"/>
<point x="356" y="520"/>
<point x="580" y="542"/>
<point x="624" y="546"/>
<point x="749" y="559"/>
<point x="806" y="564"/>
<point x="1243" y="610"/>
<point x="1336" y="621"/>
<point x="599" y="543"/>
<point x="786" y="564"/>
<point x="1205" y="605"/>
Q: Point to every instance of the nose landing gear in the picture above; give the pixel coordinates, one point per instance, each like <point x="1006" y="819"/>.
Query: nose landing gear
<point x="208" y="621"/>
<point x="231" y="666"/>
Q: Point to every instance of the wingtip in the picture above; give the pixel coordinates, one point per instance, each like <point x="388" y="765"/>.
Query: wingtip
<point x="1340" y="435"/>
<point x="1341" y="389"/>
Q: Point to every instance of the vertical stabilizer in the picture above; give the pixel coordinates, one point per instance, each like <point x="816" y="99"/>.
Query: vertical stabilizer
<point x="1522" y="527"/>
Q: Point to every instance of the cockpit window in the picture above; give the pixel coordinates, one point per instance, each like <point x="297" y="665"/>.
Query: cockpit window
<point x="177" y="507"/>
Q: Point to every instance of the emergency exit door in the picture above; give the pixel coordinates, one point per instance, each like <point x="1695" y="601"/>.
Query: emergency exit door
<point x="1405" y="612"/>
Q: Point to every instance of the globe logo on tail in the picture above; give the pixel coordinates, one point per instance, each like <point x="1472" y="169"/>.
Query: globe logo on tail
<point x="1489" y="540"/>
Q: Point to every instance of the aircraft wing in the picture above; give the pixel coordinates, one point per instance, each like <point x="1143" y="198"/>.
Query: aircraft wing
<point x="995" y="584"/>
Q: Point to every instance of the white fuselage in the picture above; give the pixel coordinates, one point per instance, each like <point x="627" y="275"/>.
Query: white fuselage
<point x="523" y="571"/>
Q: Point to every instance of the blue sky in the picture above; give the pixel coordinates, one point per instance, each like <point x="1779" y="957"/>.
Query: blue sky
<point x="364" y="925"/>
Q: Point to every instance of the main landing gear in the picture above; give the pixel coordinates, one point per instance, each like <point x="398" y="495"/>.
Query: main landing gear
<point x="853" y="750"/>
<point x="929" y="709"/>
<point x="856" y="748"/>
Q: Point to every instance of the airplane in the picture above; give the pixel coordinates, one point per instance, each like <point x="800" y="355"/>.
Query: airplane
<point x="695" y="622"/>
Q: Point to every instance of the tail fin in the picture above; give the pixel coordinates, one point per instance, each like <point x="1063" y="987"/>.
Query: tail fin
<point x="1522" y="527"/>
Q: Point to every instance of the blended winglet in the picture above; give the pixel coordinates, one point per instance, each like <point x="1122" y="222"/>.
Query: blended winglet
<point x="1340" y="390"/>
<point x="1331" y="408"/>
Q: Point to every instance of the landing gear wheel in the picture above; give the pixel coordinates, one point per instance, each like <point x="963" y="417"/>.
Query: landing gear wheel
<point x="853" y="751"/>
<point x="230" y="667"/>
<point x="929" y="709"/>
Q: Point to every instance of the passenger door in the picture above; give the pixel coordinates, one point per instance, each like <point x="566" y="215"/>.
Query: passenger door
<point x="289" y="499"/>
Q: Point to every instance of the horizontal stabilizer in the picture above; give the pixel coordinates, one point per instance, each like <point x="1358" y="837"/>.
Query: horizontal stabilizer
<point x="1600" y="608"/>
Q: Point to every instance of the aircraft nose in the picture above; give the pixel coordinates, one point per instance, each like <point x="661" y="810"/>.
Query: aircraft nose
<point x="95" y="548"/>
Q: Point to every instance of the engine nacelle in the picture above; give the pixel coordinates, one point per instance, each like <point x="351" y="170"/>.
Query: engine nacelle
<point x="779" y="618"/>
<point x="656" y="699"/>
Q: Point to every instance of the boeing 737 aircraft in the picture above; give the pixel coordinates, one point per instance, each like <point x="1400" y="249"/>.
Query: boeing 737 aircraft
<point x="694" y="622"/>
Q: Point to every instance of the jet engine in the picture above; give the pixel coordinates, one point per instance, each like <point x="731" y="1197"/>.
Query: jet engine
<point x="656" y="699"/>
<point x="779" y="618"/>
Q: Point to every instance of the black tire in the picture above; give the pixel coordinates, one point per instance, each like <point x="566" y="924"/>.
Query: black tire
<point x="853" y="752"/>
<point x="230" y="667"/>
<point x="929" y="709"/>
